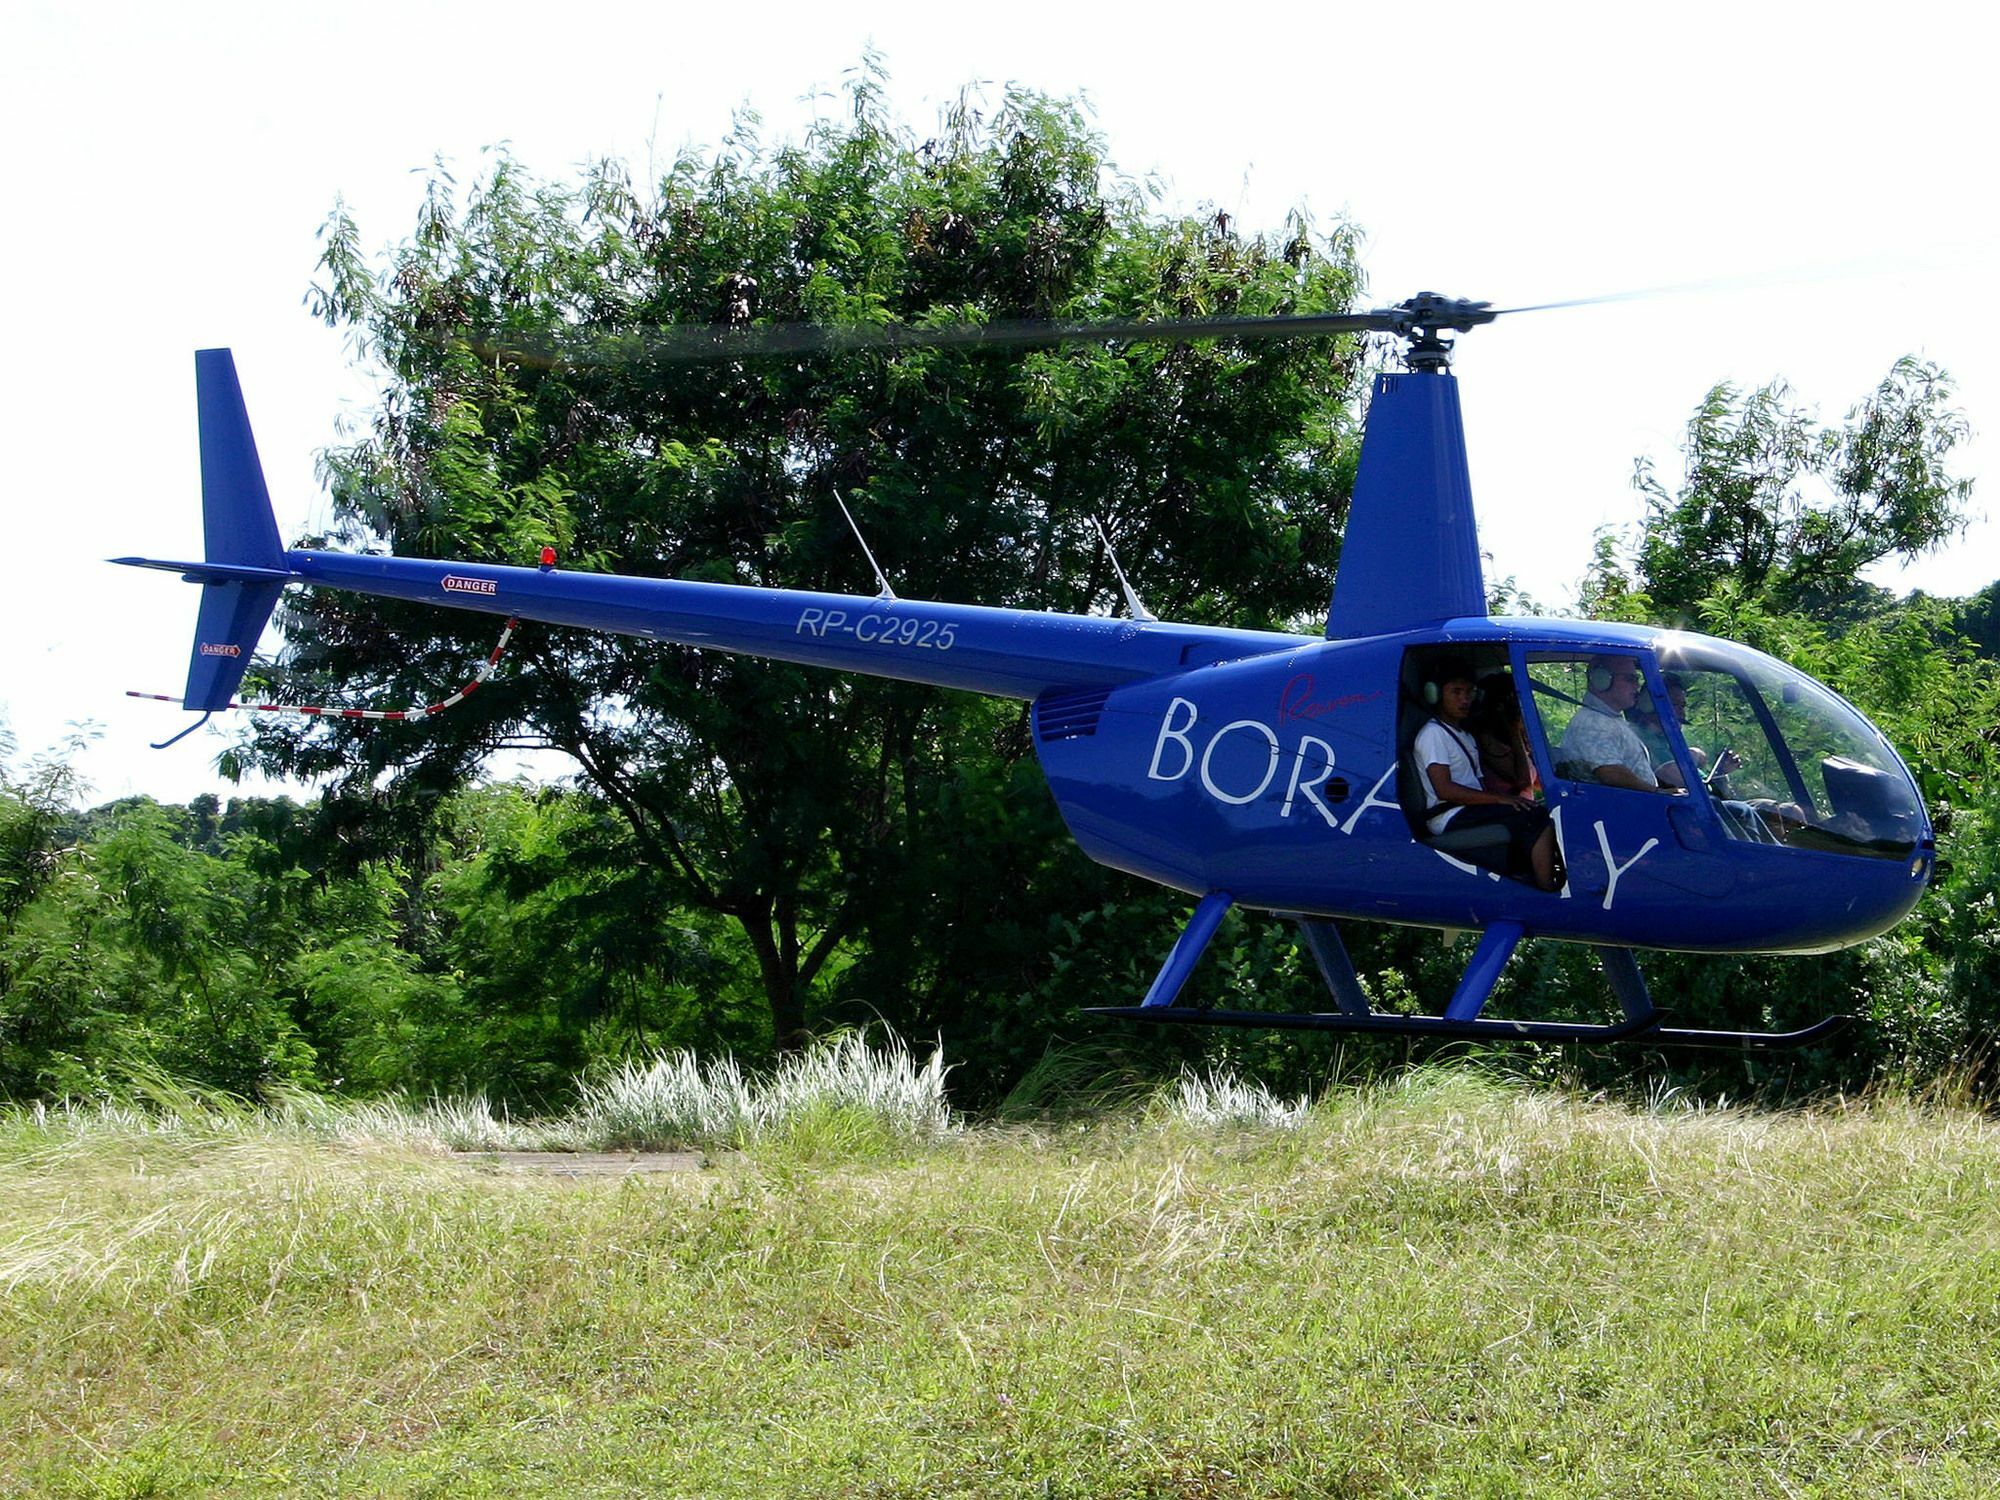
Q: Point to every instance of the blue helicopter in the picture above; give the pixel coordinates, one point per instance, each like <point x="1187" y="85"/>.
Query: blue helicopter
<point x="1309" y="776"/>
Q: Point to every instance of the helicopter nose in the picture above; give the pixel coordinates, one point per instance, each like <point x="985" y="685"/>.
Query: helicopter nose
<point x="1897" y="895"/>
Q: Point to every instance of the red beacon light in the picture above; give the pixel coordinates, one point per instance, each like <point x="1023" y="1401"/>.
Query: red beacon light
<point x="548" y="558"/>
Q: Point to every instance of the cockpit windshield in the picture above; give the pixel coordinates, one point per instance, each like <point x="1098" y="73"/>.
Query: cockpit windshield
<point x="1785" y="760"/>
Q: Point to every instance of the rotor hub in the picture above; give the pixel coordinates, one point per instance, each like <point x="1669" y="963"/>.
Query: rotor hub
<point x="1423" y="321"/>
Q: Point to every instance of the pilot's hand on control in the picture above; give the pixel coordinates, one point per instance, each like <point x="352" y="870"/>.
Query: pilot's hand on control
<point x="1730" y="761"/>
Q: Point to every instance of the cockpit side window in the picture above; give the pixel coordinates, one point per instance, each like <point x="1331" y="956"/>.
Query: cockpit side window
<point x="1601" y="721"/>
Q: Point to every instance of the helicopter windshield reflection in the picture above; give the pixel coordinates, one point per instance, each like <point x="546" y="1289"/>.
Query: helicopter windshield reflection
<point x="1786" y="760"/>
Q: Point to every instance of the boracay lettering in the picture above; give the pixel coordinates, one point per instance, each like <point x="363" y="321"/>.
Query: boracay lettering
<point x="1175" y="755"/>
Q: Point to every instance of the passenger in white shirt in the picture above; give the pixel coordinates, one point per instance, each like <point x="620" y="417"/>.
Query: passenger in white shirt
<point x="1447" y="755"/>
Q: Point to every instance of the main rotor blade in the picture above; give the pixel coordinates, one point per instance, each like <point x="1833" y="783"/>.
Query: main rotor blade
<point x="1422" y="317"/>
<point x="1638" y="296"/>
<point x="705" y="341"/>
<point x="1749" y="281"/>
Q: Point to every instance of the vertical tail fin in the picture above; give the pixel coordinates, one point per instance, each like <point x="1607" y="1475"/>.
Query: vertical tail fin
<point x="233" y="615"/>
<point x="235" y="505"/>
<point x="239" y="530"/>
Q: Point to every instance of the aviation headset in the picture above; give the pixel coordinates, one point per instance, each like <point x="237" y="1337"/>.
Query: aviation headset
<point x="1600" y="677"/>
<point x="1448" y="670"/>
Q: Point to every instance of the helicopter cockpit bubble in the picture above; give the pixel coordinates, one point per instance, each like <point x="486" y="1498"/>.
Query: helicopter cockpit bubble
<point x="1810" y="770"/>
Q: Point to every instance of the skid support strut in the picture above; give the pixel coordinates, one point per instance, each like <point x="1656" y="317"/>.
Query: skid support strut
<point x="1496" y="946"/>
<point x="1335" y="967"/>
<point x="1187" y="952"/>
<point x="1621" y="967"/>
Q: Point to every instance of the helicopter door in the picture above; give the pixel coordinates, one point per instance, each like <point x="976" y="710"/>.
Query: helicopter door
<point x="1614" y="773"/>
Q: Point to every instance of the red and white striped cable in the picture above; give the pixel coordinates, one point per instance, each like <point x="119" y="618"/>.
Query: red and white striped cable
<point x="485" y="671"/>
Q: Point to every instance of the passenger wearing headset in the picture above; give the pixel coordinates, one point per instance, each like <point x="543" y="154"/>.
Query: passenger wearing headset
<point x="1600" y="738"/>
<point x="1448" y="756"/>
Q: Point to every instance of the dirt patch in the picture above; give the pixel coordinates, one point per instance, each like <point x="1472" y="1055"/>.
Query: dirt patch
<point x="587" y="1163"/>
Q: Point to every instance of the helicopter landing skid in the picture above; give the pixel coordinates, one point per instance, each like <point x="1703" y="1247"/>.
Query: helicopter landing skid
<point x="1647" y="1031"/>
<point x="1644" y="1024"/>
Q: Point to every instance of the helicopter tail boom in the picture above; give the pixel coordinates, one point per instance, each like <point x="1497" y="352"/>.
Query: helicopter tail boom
<point x="1008" y="653"/>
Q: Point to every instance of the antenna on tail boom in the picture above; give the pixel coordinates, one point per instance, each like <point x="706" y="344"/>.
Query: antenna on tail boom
<point x="881" y="581"/>
<point x="1138" y="610"/>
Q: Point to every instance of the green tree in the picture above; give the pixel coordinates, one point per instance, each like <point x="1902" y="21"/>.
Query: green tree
<point x="566" y="946"/>
<point x="1785" y="507"/>
<point x="34" y="809"/>
<point x="203" y="964"/>
<point x="1978" y="620"/>
<point x="59" y="1013"/>
<point x="783" y="800"/>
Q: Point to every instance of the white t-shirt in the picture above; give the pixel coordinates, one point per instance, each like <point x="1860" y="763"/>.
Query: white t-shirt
<point x="1438" y="744"/>
<point x="1599" y="736"/>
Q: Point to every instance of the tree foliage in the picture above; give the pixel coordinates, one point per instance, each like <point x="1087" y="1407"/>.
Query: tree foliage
<point x="1978" y="620"/>
<point x="1784" y="507"/>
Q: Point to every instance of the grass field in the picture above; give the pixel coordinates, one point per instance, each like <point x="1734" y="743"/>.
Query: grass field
<point x="1442" y="1286"/>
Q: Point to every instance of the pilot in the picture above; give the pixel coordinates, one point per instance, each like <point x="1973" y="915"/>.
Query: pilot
<point x="1601" y="740"/>
<point x="1645" y="718"/>
<point x="1779" y="819"/>
<point x="1448" y="756"/>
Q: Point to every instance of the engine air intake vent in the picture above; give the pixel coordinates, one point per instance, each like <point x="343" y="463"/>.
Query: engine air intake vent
<point x="1069" y="715"/>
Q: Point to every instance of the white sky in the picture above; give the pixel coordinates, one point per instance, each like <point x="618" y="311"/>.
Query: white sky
<point x="168" y="173"/>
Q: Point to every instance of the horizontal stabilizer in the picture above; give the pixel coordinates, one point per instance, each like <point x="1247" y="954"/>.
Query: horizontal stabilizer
<point x="201" y="572"/>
